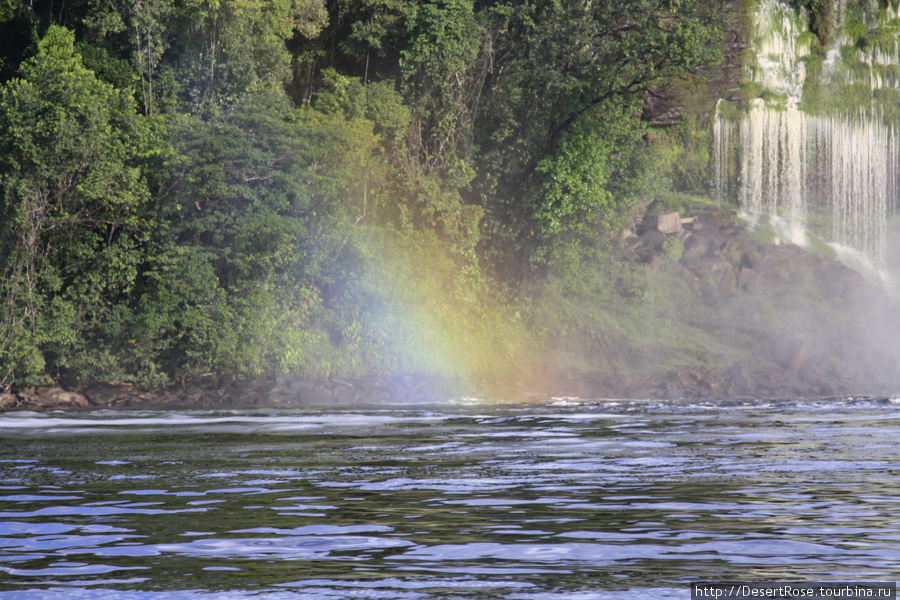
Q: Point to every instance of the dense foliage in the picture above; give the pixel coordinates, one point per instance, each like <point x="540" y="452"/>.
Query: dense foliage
<point x="266" y="186"/>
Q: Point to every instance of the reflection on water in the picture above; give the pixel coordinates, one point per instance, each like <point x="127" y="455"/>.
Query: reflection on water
<point x="576" y="500"/>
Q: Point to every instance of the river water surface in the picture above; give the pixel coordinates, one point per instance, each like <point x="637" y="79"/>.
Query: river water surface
<point x="580" y="500"/>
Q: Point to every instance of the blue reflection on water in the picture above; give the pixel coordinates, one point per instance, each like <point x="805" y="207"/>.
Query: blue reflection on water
<point x="587" y="500"/>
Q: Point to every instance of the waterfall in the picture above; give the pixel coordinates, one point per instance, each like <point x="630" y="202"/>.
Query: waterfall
<point x="812" y="147"/>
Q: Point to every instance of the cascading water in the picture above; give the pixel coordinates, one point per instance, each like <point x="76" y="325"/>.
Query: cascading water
<point x="811" y="145"/>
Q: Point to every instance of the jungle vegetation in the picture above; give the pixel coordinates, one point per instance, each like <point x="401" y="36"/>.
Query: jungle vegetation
<point x="243" y="188"/>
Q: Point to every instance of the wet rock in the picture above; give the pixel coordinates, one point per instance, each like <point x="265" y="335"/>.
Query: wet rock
<point x="48" y="398"/>
<point x="838" y="281"/>
<point x="29" y="397"/>
<point x="597" y="383"/>
<point x="712" y="240"/>
<point x="405" y="389"/>
<point x="69" y="399"/>
<point x="311" y="391"/>
<point x="108" y="394"/>
<point x="374" y="389"/>
<point x="8" y="401"/>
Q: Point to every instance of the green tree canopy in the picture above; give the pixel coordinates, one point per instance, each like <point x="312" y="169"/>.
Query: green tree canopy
<point x="202" y="187"/>
<point x="72" y="196"/>
<point x="560" y="71"/>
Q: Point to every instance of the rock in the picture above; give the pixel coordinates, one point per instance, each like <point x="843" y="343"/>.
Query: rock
<point x="404" y="389"/>
<point x="8" y="401"/>
<point x="727" y="282"/>
<point x="301" y="391"/>
<point x="668" y="223"/>
<point x="71" y="399"/>
<point x="713" y="382"/>
<point x="47" y="397"/>
<point x="621" y="384"/>
<point x="695" y="246"/>
<point x="282" y="386"/>
<point x="747" y="278"/>
<point x="689" y="377"/>
<point x="344" y="391"/>
<point x="751" y="260"/>
<point x="108" y="394"/>
<point x="47" y="391"/>
<point x="308" y="390"/>
<point x="645" y="247"/>
<point x="838" y="281"/>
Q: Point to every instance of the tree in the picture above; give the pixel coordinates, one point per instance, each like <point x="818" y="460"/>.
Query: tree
<point x="439" y="70"/>
<point x="557" y="66"/>
<point x="70" y="200"/>
<point x="221" y="50"/>
<point x="230" y="201"/>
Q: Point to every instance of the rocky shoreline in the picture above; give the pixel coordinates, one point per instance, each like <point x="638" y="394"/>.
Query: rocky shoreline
<point x="739" y="382"/>
<point x="818" y="328"/>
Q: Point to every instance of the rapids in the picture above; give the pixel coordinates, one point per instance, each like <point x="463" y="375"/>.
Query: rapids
<point x="577" y="499"/>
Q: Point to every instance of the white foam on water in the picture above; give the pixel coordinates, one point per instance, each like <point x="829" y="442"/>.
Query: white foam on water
<point x="859" y="261"/>
<point x="108" y="421"/>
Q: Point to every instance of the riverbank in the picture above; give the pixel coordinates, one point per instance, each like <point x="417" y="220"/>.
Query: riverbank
<point x="688" y="384"/>
<point x="788" y="321"/>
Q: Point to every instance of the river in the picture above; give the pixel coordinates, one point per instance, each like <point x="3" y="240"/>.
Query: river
<point x="567" y="500"/>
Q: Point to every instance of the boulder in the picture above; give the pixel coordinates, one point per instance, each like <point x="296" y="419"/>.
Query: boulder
<point x="668" y="223"/>
<point x="71" y="399"/>
<point x="50" y="397"/>
<point x="108" y="394"/>
<point x="695" y="246"/>
<point x="8" y="401"/>
<point x="644" y="248"/>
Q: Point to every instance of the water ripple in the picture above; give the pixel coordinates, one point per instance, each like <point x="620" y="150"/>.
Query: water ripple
<point x="604" y="499"/>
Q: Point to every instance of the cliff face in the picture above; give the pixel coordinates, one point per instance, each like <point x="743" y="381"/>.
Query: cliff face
<point x="809" y="139"/>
